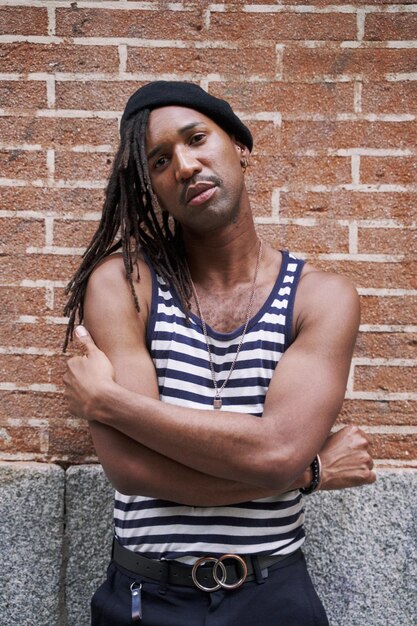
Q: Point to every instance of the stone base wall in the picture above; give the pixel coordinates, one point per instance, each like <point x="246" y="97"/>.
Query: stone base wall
<point x="56" y="530"/>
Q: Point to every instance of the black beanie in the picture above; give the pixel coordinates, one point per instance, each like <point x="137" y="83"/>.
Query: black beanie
<point x="165" y="93"/>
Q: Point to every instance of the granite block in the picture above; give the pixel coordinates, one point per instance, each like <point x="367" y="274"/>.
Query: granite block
<point x="32" y="519"/>
<point x="89" y="513"/>
<point x="361" y="547"/>
<point x="361" y="550"/>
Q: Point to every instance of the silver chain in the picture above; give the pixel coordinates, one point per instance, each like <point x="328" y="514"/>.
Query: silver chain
<point x="217" y="401"/>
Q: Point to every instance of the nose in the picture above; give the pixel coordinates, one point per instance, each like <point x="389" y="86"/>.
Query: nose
<point x="186" y="164"/>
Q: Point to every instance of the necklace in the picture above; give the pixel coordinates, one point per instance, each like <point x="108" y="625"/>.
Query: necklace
<point x="217" y="401"/>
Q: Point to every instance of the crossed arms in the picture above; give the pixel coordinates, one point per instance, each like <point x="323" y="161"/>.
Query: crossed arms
<point x="206" y="457"/>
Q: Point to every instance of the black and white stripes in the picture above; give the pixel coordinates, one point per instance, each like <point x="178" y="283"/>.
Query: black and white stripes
<point x="164" y="529"/>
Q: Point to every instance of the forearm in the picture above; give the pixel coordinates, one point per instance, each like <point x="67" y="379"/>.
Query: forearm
<point x="233" y="446"/>
<point x="302" y="402"/>
<point x="134" y="469"/>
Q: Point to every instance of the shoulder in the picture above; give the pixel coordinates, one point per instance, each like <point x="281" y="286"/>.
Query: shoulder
<point x="109" y="281"/>
<point x="111" y="272"/>
<point x="317" y="284"/>
<point x="326" y="297"/>
<point x="109" y="305"/>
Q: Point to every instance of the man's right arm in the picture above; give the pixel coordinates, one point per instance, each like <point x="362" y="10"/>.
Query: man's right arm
<point x="136" y="470"/>
<point x="120" y="331"/>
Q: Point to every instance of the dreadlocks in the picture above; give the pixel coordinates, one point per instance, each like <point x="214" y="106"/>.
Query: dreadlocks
<point x="131" y="219"/>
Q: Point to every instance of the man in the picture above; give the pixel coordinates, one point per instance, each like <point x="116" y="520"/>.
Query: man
<point x="217" y="370"/>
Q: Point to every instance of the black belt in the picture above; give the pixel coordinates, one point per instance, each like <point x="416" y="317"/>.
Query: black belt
<point x="209" y="573"/>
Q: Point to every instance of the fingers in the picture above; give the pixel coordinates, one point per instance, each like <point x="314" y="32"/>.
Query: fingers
<point x="84" y="338"/>
<point x="368" y="474"/>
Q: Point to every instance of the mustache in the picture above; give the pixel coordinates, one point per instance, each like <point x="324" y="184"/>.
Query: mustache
<point x="199" y="178"/>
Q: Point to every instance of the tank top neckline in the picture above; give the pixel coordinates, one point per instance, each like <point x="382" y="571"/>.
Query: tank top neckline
<point x="216" y="334"/>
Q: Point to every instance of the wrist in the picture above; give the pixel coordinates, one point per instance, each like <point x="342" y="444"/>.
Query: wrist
<point x="307" y="477"/>
<point x="316" y="476"/>
<point x="103" y="399"/>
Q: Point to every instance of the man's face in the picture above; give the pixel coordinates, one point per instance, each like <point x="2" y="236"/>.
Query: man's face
<point x="194" y="167"/>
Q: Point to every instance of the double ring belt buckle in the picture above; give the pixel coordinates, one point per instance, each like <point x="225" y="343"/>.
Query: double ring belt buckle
<point x="219" y="572"/>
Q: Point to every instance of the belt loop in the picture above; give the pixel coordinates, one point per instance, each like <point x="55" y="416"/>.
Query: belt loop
<point x="259" y="577"/>
<point x="164" y="578"/>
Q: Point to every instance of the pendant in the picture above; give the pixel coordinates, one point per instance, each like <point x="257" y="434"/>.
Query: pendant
<point x="217" y="402"/>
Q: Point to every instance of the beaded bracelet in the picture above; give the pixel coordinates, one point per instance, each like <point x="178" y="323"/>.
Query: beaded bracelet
<point x="316" y="480"/>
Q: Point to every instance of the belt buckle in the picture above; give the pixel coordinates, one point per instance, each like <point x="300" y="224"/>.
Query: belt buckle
<point x="221" y="579"/>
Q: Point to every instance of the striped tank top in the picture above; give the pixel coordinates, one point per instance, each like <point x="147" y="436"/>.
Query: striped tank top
<point x="269" y="526"/>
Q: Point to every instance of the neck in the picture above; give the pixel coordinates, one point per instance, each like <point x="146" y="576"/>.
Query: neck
<point x="222" y="258"/>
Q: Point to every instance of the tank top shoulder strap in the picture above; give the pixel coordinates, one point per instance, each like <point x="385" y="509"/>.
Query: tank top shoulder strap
<point x="289" y="279"/>
<point x="154" y="303"/>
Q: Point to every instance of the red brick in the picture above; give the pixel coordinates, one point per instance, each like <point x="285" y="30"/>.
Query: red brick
<point x="299" y="170"/>
<point x="23" y="439"/>
<point x="291" y="98"/>
<point x="141" y="24"/>
<point x="261" y="201"/>
<point x="60" y="301"/>
<point x="390" y="26"/>
<point x="25" y="405"/>
<point x="83" y="165"/>
<point x="17" y="234"/>
<point x="375" y="412"/>
<point x="37" y="335"/>
<point x="70" y="440"/>
<point x="349" y="204"/>
<point x="18" y="301"/>
<point x="324" y="237"/>
<point x="60" y="201"/>
<point x="266" y="137"/>
<point x="27" y="369"/>
<point x="383" y="97"/>
<point x="244" y="61"/>
<point x="400" y="275"/>
<point x="19" y="94"/>
<point x="388" y="310"/>
<point x="378" y="2"/>
<point x="38" y="266"/>
<point x="402" y="447"/>
<point x="387" y="240"/>
<point x="322" y="135"/>
<point x="23" y="21"/>
<point x="276" y="161"/>
<point x="325" y="3"/>
<point x="282" y="26"/>
<point x="22" y="164"/>
<point x="94" y="95"/>
<point x="385" y="378"/>
<point x="30" y="57"/>
<point x="54" y="132"/>
<point x="386" y="345"/>
<point x="388" y="170"/>
<point x="74" y="233"/>
<point x="369" y="63"/>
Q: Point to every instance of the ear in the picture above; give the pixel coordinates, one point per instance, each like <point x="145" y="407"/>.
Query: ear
<point x="242" y="150"/>
<point x="243" y="153"/>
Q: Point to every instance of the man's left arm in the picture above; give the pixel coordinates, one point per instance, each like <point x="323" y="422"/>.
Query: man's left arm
<point x="302" y="403"/>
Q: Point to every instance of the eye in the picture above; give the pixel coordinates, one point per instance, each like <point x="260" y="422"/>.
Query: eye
<point x="160" y="162"/>
<point x="197" y="138"/>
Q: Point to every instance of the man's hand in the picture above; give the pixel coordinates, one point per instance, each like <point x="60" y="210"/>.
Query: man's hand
<point x="346" y="461"/>
<point x="86" y="376"/>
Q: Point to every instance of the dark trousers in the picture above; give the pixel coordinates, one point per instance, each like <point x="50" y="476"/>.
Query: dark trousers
<point x="286" y="597"/>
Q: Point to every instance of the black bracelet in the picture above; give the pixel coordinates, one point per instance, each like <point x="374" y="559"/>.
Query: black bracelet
<point x="315" y="483"/>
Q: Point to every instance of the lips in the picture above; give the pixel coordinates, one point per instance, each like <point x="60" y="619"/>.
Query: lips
<point x="199" y="189"/>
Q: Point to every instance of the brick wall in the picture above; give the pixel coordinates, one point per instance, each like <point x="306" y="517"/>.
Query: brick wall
<point x="329" y="91"/>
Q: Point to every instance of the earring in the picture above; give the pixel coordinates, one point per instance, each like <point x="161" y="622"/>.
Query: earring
<point x="244" y="163"/>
